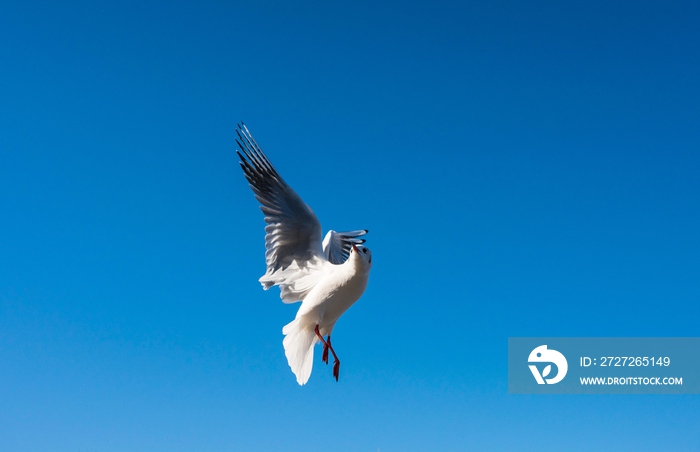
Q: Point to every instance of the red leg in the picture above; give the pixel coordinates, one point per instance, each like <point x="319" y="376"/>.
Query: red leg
<point x="324" y="357"/>
<point x="336" y="361"/>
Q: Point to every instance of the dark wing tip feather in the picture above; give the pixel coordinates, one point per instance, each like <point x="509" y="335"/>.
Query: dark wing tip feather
<point x="254" y="153"/>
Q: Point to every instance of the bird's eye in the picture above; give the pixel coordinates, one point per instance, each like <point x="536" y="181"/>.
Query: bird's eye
<point x="364" y="250"/>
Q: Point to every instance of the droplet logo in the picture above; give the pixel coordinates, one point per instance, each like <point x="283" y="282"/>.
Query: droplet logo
<point x="542" y="355"/>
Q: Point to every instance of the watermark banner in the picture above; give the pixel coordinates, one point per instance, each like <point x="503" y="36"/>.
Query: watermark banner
<point x="604" y="365"/>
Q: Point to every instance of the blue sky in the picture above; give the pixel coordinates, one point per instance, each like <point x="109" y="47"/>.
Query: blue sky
<point x="524" y="169"/>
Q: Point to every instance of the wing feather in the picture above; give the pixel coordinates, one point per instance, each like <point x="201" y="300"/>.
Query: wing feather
<point x="336" y="245"/>
<point x="293" y="233"/>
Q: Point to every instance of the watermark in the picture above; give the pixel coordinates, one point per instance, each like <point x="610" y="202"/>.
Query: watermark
<point x="578" y="365"/>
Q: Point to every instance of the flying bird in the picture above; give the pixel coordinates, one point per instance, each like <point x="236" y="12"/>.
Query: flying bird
<point x="326" y="276"/>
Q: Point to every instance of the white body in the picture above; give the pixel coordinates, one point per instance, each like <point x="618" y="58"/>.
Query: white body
<point x="339" y="287"/>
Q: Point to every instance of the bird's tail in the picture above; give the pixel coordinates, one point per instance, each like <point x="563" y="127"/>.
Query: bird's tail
<point x="299" y="341"/>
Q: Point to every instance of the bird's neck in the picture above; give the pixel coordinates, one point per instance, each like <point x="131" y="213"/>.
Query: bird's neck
<point x="357" y="264"/>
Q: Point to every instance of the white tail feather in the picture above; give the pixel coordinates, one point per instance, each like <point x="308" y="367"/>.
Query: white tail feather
<point x="299" y="341"/>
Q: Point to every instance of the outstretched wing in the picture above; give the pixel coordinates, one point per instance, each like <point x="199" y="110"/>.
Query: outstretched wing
<point x="336" y="245"/>
<point x="293" y="233"/>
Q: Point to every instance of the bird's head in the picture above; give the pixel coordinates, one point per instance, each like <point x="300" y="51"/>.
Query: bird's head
<point x="364" y="254"/>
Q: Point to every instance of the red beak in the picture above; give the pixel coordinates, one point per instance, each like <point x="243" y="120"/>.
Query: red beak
<point x="355" y="248"/>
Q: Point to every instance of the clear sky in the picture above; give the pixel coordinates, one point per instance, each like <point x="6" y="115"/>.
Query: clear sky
<point x="524" y="169"/>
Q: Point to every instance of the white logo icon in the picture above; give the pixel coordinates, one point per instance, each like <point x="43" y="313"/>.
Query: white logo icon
<point x="542" y="355"/>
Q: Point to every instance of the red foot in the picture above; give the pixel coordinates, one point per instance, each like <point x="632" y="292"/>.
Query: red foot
<point x="324" y="357"/>
<point x="336" y="369"/>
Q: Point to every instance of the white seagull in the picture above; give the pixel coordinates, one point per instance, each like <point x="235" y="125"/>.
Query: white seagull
<point x="327" y="277"/>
